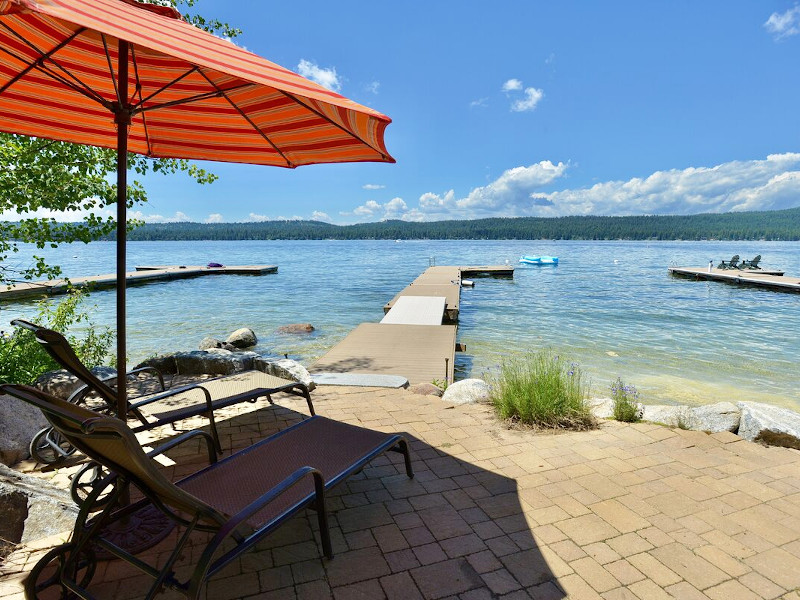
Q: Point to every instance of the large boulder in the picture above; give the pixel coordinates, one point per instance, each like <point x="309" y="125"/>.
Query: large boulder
<point x="19" y="422"/>
<point x="674" y="415"/>
<point x="467" y="391"/>
<point x="210" y="343"/>
<point x="769" y="424"/>
<point x="285" y="368"/>
<point x="242" y="338"/>
<point x="199" y="362"/>
<point x="296" y="328"/>
<point x="62" y="383"/>
<point x="714" y="418"/>
<point x="32" y="508"/>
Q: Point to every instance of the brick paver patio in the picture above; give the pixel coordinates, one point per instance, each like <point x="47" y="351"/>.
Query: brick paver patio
<point x="626" y="511"/>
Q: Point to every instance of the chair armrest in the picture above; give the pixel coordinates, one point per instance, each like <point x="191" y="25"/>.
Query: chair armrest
<point x="170" y="393"/>
<point x="152" y="370"/>
<point x="212" y="451"/>
<point x="258" y="504"/>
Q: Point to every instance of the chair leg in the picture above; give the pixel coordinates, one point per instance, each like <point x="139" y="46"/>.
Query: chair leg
<point x="404" y="449"/>
<point x="307" y="396"/>
<point x="214" y="432"/>
<point x="322" y="515"/>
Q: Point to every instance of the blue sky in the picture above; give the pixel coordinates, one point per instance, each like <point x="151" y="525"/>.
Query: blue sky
<point x="527" y="108"/>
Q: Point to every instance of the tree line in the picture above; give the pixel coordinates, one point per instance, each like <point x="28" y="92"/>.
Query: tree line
<point x="764" y="225"/>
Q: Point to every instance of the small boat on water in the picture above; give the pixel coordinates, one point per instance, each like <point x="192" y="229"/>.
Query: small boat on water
<point x="539" y="260"/>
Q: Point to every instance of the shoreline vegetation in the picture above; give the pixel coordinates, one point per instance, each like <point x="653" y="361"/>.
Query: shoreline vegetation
<point x="779" y="225"/>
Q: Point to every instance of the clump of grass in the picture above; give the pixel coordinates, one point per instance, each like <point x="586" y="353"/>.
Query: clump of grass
<point x="626" y="407"/>
<point x="543" y="390"/>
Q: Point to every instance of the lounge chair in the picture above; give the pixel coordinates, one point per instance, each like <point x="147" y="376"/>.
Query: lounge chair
<point x="731" y="264"/>
<point x="751" y="264"/>
<point x="239" y="499"/>
<point x="155" y="410"/>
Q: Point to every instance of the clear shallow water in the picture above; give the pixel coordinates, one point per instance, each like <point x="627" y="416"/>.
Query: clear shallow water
<point x="609" y="305"/>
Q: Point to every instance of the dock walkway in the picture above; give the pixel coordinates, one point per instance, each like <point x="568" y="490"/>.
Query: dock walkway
<point x="412" y="340"/>
<point x="141" y="275"/>
<point x="773" y="280"/>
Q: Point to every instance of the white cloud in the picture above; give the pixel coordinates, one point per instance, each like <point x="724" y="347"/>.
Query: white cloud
<point x="320" y="216"/>
<point x="372" y="186"/>
<point x="769" y="184"/>
<point x="178" y="217"/>
<point x="214" y="218"/>
<point x="783" y="25"/>
<point x="373" y="87"/>
<point x="479" y="103"/>
<point x="325" y="77"/>
<point x="258" y="218"/>
<point x="532" y="97"/>
<point x="512" y="85"/>
<point x="60" y="216"/>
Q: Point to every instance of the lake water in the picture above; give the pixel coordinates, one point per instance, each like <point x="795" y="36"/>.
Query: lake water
<point x="610" y="306"/>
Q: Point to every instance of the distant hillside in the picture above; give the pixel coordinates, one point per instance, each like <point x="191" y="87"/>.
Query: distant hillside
<point x="767" y="225"/>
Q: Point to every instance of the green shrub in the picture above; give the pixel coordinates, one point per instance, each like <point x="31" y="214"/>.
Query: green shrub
<point x="22" y="358"/>
<point x="544" y="390"/>
<point x="626" y="407"/>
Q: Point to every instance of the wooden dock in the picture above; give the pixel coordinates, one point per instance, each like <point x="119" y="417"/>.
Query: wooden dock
<point x="140" y="276"/>
<point x="766" y="279"/>
<point x="401" y="344"/>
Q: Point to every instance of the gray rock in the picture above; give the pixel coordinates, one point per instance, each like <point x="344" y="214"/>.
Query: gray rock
<point x="674" y="415"/>
<point x="243" y="338"/>
<point x="426" y="389"/>
<point x="61" y="383"/>
<point x="19" y="422"/>
<point x="199" y="362"/>
<point x="285" y="368"/>
<point x="769" y="424"/>
<point x="164" y="363"/>
<point x="467" y="391"/>
<point x="296" y="328"/>
<point x="208" y="342"/>
<point x="714" y="418"/>
<point x="602" y="408"/>
<point x="32" y="508"/>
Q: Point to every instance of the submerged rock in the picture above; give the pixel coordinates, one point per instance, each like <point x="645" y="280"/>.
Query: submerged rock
<point x="772" y="425"/>
<point x="467" y="391"/>
<point x="19" y="422"/>
<point x="296" y="328"/>
<point x="210" y="343"/>
<point x="242" y="338"/>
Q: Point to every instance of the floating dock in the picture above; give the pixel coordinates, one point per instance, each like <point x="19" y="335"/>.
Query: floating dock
<point x="140" y="276"/>
<point x="766" y="279"/>
<point x="417" y="337"/>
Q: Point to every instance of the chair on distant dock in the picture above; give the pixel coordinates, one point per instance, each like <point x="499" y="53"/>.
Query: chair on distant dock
<point x="751" y="264"/>
<point x="238" y="500"/>
<point x="733" y="263"/>
<point x="176" y="404"/>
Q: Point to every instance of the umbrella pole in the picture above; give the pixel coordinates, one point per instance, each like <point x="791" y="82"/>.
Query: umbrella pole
<point x="122" y="118"/>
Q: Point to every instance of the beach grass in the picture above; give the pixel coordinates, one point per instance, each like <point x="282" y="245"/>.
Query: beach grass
<point x="542" y="389"/>
<point x="626" y="406"/>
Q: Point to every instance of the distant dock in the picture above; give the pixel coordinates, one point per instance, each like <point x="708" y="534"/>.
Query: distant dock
<point x="763" y="278"/>
<point x="142" y="275"/>
<point x="417" y="337"/>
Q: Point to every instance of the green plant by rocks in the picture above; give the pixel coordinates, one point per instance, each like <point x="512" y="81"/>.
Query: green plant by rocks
<point x="626" y="406"/>
<point x="544" y="390"/>
<point x="22" y="358"/>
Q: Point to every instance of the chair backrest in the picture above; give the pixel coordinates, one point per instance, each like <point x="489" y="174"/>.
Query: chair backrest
<point x="57" y="346"/>
<point x="111" y="443"/>
<point x="755" y="261"/>
<point x="734" y="260"/>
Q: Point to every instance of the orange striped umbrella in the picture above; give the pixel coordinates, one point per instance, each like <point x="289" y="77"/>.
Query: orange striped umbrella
<point x="136" y="77"/>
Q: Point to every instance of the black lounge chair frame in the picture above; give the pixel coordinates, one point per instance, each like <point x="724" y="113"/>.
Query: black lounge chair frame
<point x="57" y="346"/>
<point x="751" y="264"/>
<point x="113" y="444"/>
<point x="733" y="263"/>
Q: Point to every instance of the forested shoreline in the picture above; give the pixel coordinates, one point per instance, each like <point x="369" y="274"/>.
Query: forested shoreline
<point x="765" y="225"/>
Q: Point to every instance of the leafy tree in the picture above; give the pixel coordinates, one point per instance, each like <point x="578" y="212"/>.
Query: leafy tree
<point x="44" y="174"/>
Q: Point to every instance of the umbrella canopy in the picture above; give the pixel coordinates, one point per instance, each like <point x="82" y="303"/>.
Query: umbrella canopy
<point x="192" y="95"/>
<point x="136" y="77"/>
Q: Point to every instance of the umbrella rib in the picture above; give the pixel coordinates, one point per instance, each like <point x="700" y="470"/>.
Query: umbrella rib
<point x="33" y="65"/>
<point x="39" y="64"/>
<point x="165" y="87"/>
<point x="248" y="119"/>
<point x="189" y="100"/>
<point x="139" y="91"/>
<point x="332" y="122"/>
<point x="111" y="71"/>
